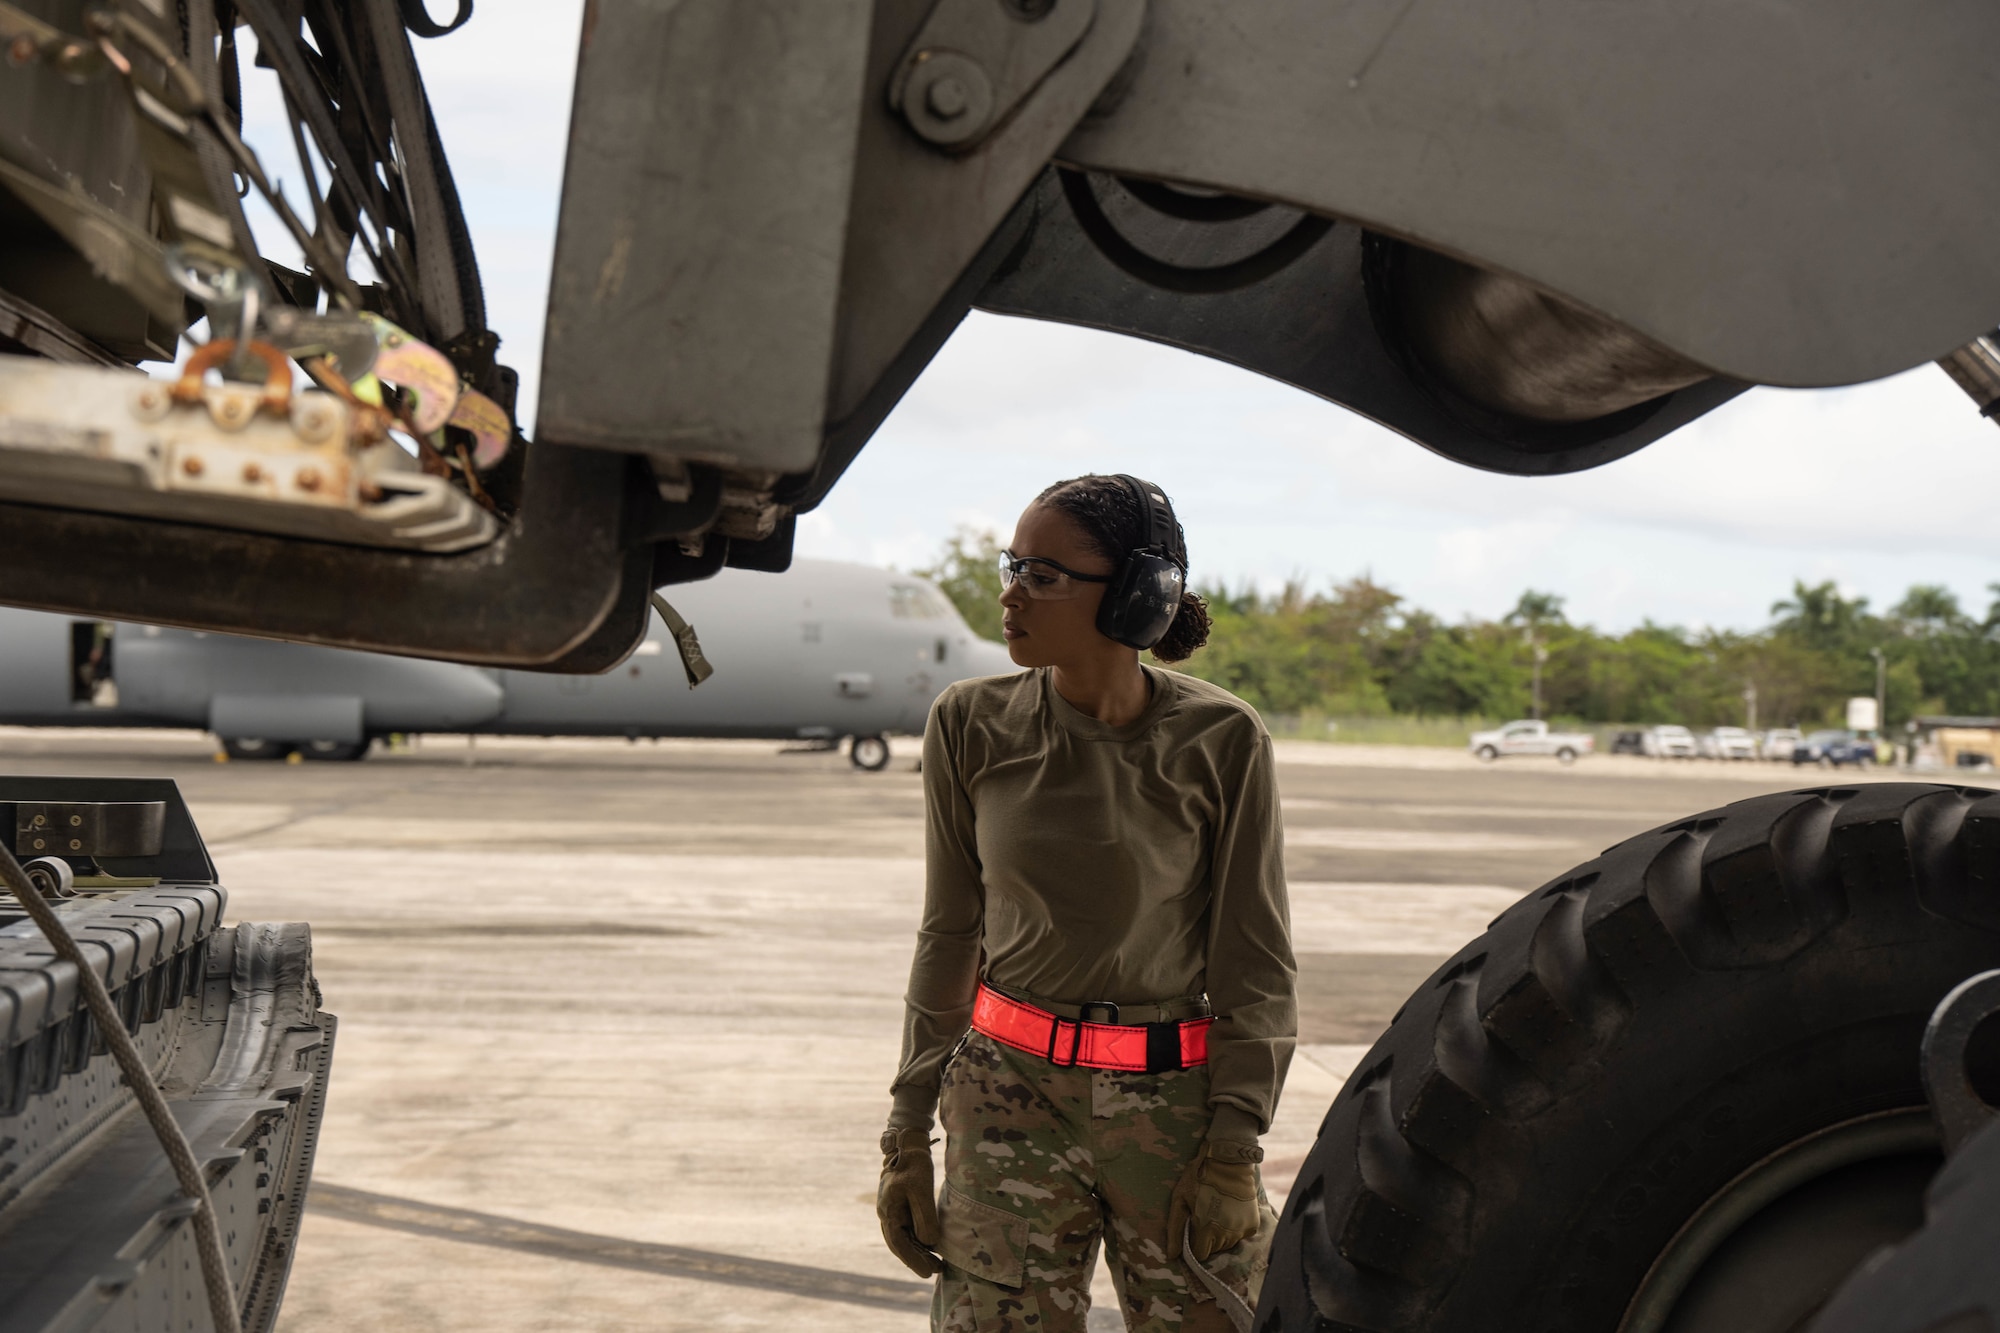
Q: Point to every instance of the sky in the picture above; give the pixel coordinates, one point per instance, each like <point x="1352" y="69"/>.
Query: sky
<point x="1874" y="487"/>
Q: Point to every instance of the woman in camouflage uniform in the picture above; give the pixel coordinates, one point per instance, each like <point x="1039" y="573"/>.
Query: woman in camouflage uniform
<point x="1101" y="1008"/>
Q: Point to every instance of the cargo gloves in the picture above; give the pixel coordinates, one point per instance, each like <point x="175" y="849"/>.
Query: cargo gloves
<point x="906" y="1200"/>
<point x="1215" y="1203"/>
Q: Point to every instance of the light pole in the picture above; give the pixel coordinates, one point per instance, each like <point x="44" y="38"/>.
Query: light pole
<point x="1750" y="704"/>
<point x="1541" y="656"/>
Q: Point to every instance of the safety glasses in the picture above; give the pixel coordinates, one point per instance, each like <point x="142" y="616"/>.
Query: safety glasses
<point x="1044" y="579"/>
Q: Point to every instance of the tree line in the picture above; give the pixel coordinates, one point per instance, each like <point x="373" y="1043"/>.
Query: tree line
<point x="1359" y="649"/>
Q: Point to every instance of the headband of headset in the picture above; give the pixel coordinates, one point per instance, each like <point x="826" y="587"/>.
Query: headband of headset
<point x="1145" y="593"/>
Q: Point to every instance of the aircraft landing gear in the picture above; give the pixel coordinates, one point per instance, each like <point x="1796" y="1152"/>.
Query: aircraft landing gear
<point x="334" y="751"/>
<point x="869" y="753"/>
<point x="253" y="747"/>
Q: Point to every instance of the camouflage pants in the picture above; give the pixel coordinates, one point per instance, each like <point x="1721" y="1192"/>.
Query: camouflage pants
<point x="1041" y="1164"/>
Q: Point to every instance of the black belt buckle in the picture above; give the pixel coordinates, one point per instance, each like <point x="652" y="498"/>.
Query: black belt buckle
<point x="1163" y="1048"/>
<point x="1083" y="1011"/>
<point x="1055" y="1040"/>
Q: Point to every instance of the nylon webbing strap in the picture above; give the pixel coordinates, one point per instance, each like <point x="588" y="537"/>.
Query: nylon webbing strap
<point x="1163" y="1048"/>
<point x="1232" y="1305"/>
<point x="692" y="662"/>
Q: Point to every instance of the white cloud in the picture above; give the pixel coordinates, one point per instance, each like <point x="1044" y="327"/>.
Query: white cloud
<point x="1509" y="551"/>
<point x="1706" y="527"/>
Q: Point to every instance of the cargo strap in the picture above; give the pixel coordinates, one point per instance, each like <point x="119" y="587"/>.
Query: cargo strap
<point x="689" y="647"/>
<point x="1148" y="1048"/>
<point x="1239" y="1314"/>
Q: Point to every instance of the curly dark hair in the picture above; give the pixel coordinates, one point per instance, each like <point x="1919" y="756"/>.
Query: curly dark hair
<point x="1112" y="522"/>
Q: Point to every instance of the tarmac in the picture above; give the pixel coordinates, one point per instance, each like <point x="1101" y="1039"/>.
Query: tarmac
<point x="617" y="1022"/>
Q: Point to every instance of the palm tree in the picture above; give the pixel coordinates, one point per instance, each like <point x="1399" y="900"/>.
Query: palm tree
<point x="1536" y="609"/>
<point x="1930" y="609"/>
<point x="1531" y="613"/>
<point x="1819" y="614"/>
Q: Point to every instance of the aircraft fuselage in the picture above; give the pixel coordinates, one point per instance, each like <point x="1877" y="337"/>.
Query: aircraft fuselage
<point x="825" y="651"/>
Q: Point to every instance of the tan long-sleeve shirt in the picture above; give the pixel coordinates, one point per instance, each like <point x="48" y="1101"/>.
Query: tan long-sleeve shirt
<point x="1091" y="862"/>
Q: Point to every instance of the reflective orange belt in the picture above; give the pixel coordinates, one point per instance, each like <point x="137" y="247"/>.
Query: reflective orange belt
<point x="1150" y="1048"/>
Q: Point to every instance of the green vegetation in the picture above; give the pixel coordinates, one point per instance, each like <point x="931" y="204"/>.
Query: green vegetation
<point x="1384" y="670"/>
<point x="1396" y="729"/>
<point x="968" y="570"/>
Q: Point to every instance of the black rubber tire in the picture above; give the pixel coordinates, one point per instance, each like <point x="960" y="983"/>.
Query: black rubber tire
<point x="1565" y="756"/>
<point x="1486" y="754"/>
<point x="250" y="747"/>
<point x="870" y="754"/>
<point x="1546" y="1113"/>
<point x="334" y="752"/>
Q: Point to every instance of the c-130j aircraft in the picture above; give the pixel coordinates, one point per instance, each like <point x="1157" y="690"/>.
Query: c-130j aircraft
<point x="826" y="652"/>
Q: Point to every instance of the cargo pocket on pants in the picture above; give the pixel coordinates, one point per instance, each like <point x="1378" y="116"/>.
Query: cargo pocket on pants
<point x="985" y="1241"/>
<point x="984" y="1288"/>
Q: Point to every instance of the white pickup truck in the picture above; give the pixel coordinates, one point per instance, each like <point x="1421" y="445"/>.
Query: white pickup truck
<point x="1530" y="738"/>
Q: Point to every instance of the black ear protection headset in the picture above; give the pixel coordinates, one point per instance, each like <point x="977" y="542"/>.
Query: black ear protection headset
<point x="1145" y="592"/>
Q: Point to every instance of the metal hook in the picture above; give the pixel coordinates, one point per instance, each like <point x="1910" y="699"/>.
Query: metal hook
<point x="1957" y="1038"/>
<point x="230" y="295"/>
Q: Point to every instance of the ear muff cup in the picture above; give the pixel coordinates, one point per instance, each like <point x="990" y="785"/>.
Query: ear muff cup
<point x="1145" y="594"/>
<point x="1142" y="601"/>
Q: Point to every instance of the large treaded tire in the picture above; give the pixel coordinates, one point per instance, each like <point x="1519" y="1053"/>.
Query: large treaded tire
<point x="1546" y="1113"/>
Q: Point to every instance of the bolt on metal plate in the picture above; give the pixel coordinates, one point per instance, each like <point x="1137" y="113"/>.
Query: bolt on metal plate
<point x="975" y="61"/>
<point x="89" y="828"/>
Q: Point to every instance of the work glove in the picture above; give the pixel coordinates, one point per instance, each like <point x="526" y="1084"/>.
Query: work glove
<point x="1215" y="1202"/>
<point x="906" y="1200"/>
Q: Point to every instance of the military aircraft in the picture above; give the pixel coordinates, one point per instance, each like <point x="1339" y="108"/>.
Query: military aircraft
<point x="825" y="652"/>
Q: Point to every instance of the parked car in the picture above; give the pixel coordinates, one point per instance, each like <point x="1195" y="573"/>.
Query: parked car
<point x="1833" y="749"/>
<point x="1629" y="742"/>
<point x="1780" y="742"/>
<point x="1530" y="738"/>
<point x="1728" y="743"/>
<point x="1670" y="742"/>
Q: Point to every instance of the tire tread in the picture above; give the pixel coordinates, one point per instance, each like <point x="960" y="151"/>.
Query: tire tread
<point x="1520" y="1017"/>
